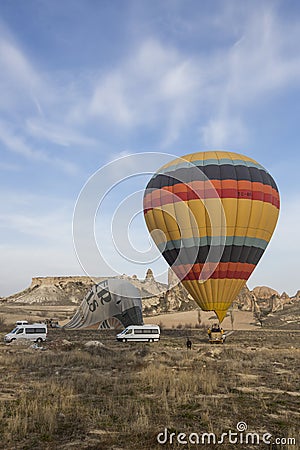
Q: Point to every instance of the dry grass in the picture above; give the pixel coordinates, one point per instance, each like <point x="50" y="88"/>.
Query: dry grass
<point x="121" y="396"/>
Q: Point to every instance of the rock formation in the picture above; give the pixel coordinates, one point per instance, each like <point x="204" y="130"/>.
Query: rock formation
<point x="149" y="275"/>
<point x="178" y="297"/>
<point x="245" y="300"/>
<point x="270" y="300"/>
<point x="264" y="292"/>
<point x="53" y="291"/>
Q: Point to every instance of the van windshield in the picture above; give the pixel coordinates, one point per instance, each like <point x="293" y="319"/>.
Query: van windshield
<point x="14" y="330"/>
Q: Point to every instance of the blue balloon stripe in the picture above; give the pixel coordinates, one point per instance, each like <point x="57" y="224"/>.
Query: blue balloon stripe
<point x="208" y="162"/>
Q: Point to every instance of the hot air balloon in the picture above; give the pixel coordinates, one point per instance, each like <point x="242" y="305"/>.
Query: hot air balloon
<point x="113" y="303"/>
<point x="212" y="215"/>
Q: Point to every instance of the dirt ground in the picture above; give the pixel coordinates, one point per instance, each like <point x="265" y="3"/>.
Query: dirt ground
<point x="242" y="320"/>
<point x="35" y="313"/>
<point x="85" y="390"/>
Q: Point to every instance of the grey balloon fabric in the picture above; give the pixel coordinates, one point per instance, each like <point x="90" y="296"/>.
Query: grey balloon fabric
<point x="111" y="299"/>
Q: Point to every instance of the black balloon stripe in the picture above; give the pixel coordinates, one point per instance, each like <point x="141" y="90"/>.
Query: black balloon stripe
<point x="212" y="172"/>
<point x="231" y="253"/>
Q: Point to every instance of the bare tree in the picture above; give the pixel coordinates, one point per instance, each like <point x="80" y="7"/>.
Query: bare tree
<point x="199" y="317"/>
<point x="231" y="318"/>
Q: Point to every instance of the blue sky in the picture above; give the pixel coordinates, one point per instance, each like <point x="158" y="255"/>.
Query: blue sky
<point x="84" y="82"/>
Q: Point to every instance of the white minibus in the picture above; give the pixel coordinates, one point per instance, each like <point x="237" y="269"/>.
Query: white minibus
<point x="35" y="332"/>
<point x="140" y="333"/>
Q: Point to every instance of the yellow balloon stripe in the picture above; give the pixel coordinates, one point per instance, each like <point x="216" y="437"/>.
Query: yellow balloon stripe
<point x="248" y="218"/>
<point x="214" y="294"/>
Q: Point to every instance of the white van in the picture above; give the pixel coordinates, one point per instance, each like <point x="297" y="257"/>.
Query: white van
<point x="35" y="332"/>
<point x="140" y="333"/>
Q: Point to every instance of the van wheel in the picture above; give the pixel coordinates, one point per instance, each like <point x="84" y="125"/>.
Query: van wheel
<point x="124" y="340"/>
<point x="150" y="340"/>
<point x="39" y="340"/>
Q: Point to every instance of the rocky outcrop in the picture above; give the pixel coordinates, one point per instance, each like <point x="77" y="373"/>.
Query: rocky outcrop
<point x="149" y="275"/>
<point x="270" y="300"/>
<point x="288" y="318"/>
<point x="173" y="298"/>
<point x="178" y="297"/>
<point x="264" y="292"/>
<point x="245" y="300"/>
<point x="297" y="295"/>
<point x="53" y="291"/>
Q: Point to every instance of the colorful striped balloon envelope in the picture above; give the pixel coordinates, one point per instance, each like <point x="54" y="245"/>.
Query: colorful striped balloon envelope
<point x="212" y="215"/>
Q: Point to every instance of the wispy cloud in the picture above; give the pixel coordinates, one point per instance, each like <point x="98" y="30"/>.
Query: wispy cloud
<point x="160" y="87"/>
<point x="163" y="87"/>
<point x="20" y="83"/>
<point x="110" y="101"/>
<point x="14" y="64"/>
<point x="223" y="131"/>
<point x="263" y="60"/>
<point x="13" y="142"/>
<point x="154" y="84"/>
<point x="35" y="107"/>
<point x="57" y="134"/>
